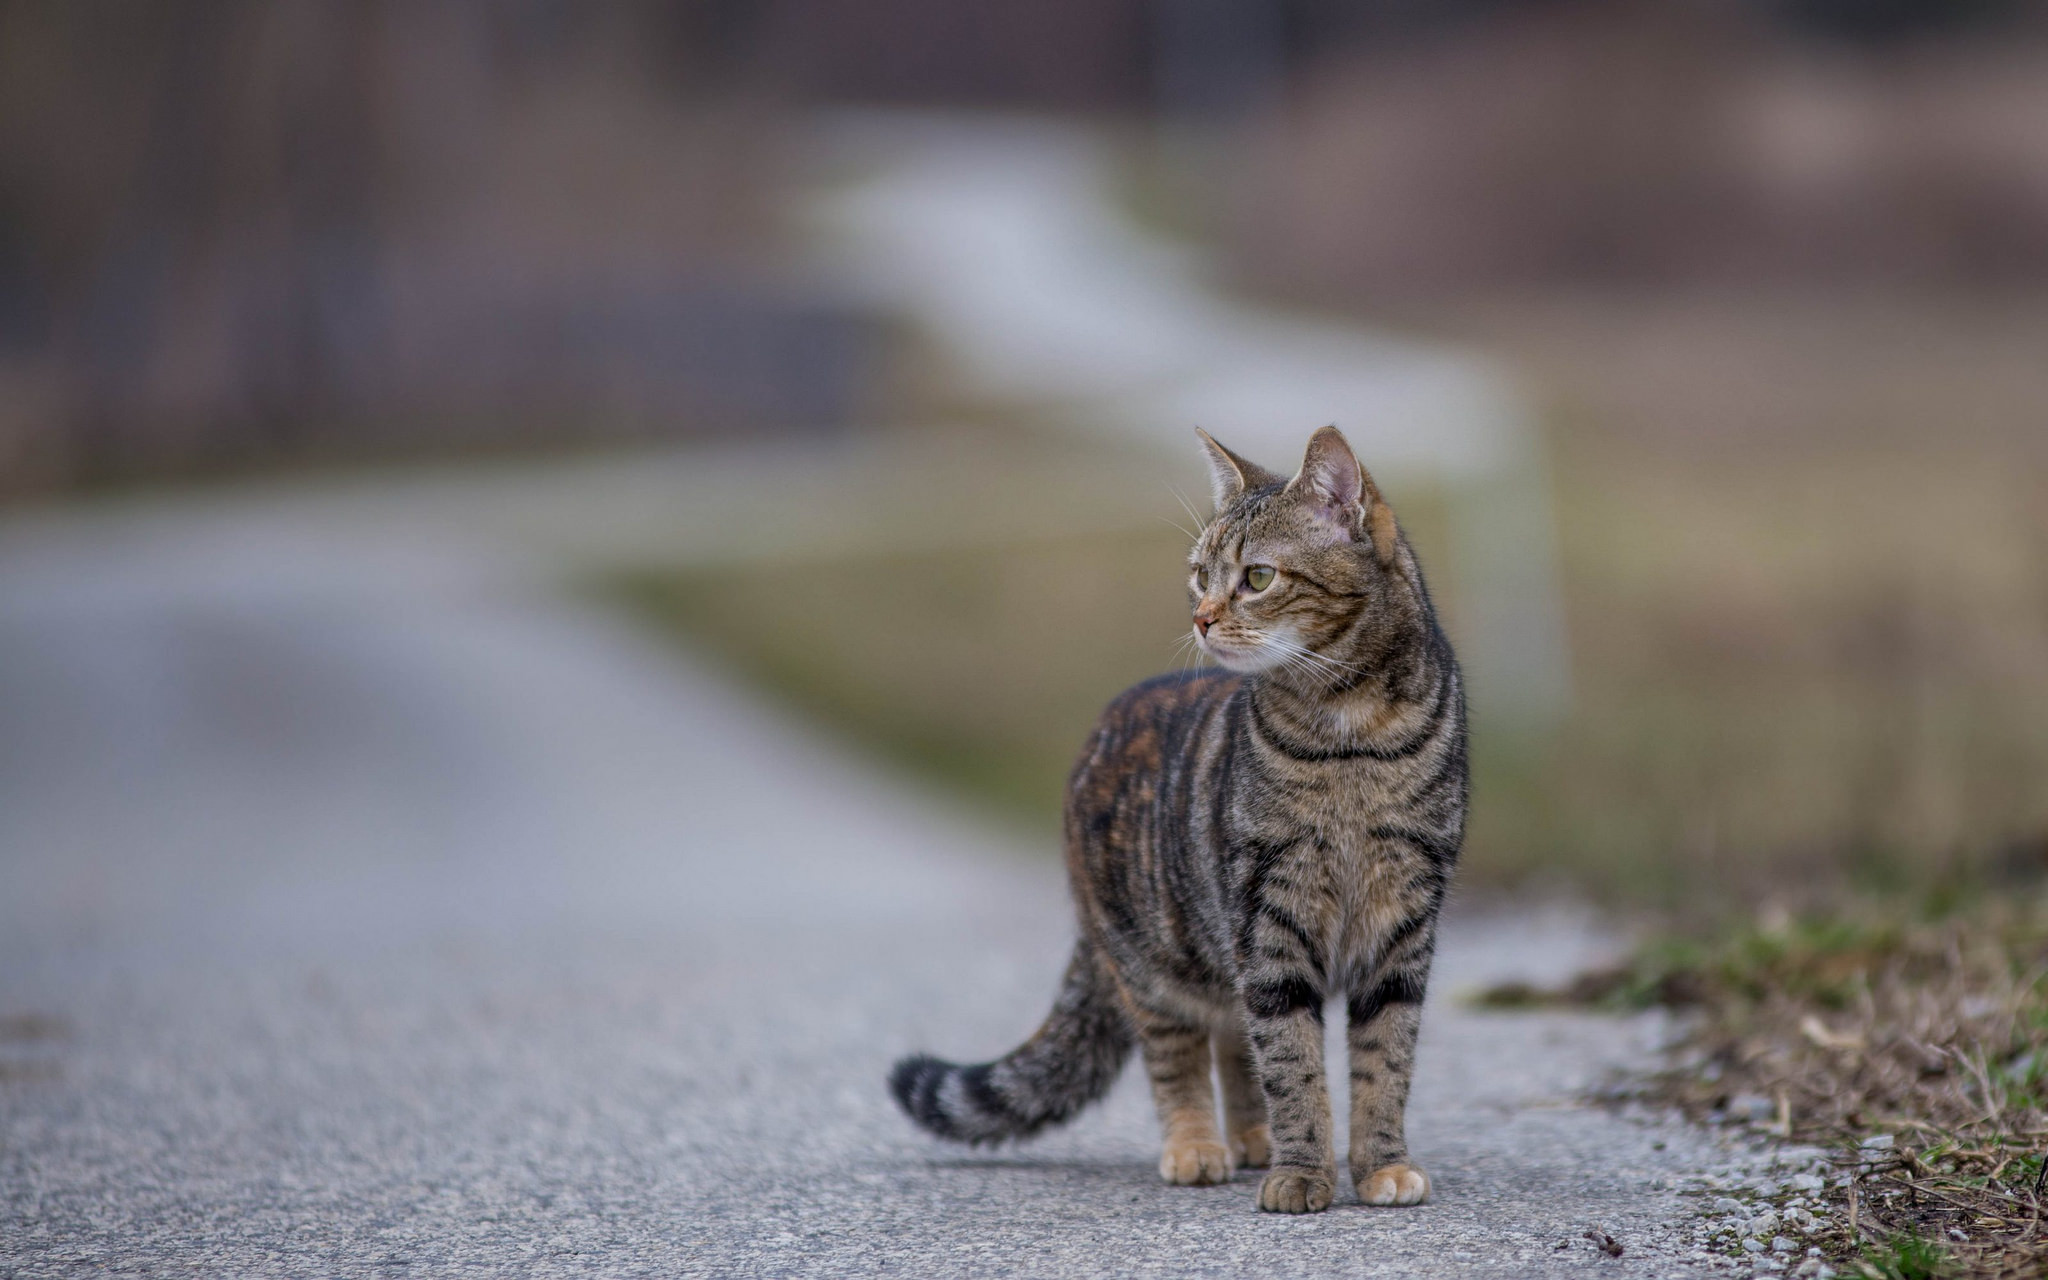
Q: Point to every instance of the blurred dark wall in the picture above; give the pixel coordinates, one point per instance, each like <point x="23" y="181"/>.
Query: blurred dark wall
<point x="236" y="230"/>
<point x="252" y="230"/>
<point x="1618" y="143"/>
<point x="1064" y="54"/>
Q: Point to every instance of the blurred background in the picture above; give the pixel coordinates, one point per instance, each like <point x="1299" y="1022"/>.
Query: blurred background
<point x="855" y="345"/>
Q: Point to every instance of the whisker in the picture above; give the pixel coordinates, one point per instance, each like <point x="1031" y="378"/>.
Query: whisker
<point x="1312" y="654"/>
<point x="1188" y="657"/>
<point x="1295" y="657"/>
<point x="1172" y="523"/>
<point x="1186" y="506"/>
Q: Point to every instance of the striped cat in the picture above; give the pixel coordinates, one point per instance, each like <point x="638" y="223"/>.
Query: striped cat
<point x="1245" y="844"/>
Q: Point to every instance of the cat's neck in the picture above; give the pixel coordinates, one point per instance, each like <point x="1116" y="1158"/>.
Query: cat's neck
<point x="1353" y="714"/>
<point x="1371" y="687"/>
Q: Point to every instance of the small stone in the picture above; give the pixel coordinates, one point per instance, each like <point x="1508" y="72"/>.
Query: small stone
<point x="1761" y="1223"/>
<point x="1784" y="1244"/>
<point x="1805" y="1182"/>
<point x="1752" y="1245"/>
<point x="1799" y="1218"/>
<point x="1727" y="1204"/>
<point x="1877" y="1142"/>
<point x="1751" y="1107"/>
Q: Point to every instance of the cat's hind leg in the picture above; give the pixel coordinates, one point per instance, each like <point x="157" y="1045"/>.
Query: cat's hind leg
<point x="1244" y="1101"/>
<point x="1177" y="1060"/>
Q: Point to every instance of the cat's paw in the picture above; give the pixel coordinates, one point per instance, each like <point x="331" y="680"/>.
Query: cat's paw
<point x="1194" y="1164"/>
<point x="1394" y="1184"/>
<point x="1253" y="1147"/>
<point x="1297" y="1190"/>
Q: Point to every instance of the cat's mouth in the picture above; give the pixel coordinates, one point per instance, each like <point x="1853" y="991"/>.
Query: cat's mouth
<point x="1246" y="656"/>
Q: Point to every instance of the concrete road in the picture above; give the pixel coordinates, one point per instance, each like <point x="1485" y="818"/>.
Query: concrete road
<point x="368" y="906"/>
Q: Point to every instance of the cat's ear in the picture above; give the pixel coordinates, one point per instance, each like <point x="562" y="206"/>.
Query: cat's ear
<point x="1230" y="475"/>
<point x="1337" y="487"/>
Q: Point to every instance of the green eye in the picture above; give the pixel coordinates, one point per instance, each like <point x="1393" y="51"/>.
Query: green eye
<point x="1259" y="577"/>
<point x="1202" y="578"/>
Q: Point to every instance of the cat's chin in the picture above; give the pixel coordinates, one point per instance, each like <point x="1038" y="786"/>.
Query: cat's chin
<point x="1244" y="662"/>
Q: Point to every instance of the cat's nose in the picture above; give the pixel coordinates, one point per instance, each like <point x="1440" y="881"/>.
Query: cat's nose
<point x="1202" y="621"/>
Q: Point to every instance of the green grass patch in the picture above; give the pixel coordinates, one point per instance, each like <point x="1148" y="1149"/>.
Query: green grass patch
<point x="1904" y="1256"/>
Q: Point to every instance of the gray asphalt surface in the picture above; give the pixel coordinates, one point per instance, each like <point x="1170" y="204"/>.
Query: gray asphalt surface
<point x="369" y="906"/>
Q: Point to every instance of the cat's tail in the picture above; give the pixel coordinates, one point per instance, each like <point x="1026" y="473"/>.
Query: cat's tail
<point x="1070" y="1061"/>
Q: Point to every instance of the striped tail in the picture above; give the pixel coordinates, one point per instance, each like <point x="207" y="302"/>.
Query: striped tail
<point x="1069" y="1062"/>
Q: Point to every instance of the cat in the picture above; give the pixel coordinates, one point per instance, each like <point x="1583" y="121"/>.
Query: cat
<point x="1247" y="842"/>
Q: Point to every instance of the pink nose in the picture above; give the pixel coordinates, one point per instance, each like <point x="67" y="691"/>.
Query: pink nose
<point x="1202" y="622"/>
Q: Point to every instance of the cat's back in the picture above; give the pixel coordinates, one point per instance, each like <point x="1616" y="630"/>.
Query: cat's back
<point x="1144" y="746"/>
<point x="1147" y="724"/>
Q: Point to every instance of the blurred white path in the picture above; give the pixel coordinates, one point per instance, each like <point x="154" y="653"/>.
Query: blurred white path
<point x="368" y="904"/>
<point x="1006" y="241"/>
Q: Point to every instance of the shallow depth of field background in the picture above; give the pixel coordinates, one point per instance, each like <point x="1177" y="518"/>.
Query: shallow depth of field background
<point x="1769" y="280"/>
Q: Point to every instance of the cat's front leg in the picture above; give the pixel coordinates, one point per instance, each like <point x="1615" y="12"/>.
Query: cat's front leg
<point x="1384" y="1018"/>
<point x="1283" y="1015"/>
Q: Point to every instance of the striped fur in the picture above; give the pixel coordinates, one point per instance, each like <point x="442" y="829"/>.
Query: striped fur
<point x="1248" y="844"/>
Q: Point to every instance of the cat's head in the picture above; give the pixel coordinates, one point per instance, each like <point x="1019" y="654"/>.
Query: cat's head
<point x="1285" y="569"/>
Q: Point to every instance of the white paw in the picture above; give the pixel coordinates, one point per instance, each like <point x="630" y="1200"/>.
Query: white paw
<point x="1395" y="1184"/>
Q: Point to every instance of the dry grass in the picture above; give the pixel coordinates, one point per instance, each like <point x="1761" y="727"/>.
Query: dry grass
<point x="1915" y="1046"/>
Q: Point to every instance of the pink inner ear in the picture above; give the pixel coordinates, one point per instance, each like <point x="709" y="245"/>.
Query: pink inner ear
<point x="1334" y="489"/>
<point x="1335" y="519"/>
<point x="1337" y="481"/>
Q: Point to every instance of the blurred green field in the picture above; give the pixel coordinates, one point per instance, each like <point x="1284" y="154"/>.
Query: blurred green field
<point x="1803" y="660"/>
<point x="1789" y="678"/>
<point x="1805" y="547"/>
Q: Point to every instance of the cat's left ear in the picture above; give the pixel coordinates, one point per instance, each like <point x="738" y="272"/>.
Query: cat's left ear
<point x="1230" y="475"/>
<point x="1337" y="487"/>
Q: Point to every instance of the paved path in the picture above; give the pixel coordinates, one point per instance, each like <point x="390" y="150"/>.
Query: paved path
<point x="366" y="906"/>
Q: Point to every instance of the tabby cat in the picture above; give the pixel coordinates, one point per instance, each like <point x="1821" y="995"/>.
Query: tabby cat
<point x="1247" y="843"/>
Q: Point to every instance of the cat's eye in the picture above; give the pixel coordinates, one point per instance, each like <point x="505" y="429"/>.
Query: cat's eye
<point x="1202" y="577"/>
<point x="1259" y="577"/>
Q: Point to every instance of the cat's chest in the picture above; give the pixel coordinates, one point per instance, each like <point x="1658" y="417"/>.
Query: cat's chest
<point x="1358" y="882"/>
<point x="1337" y="805"/>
